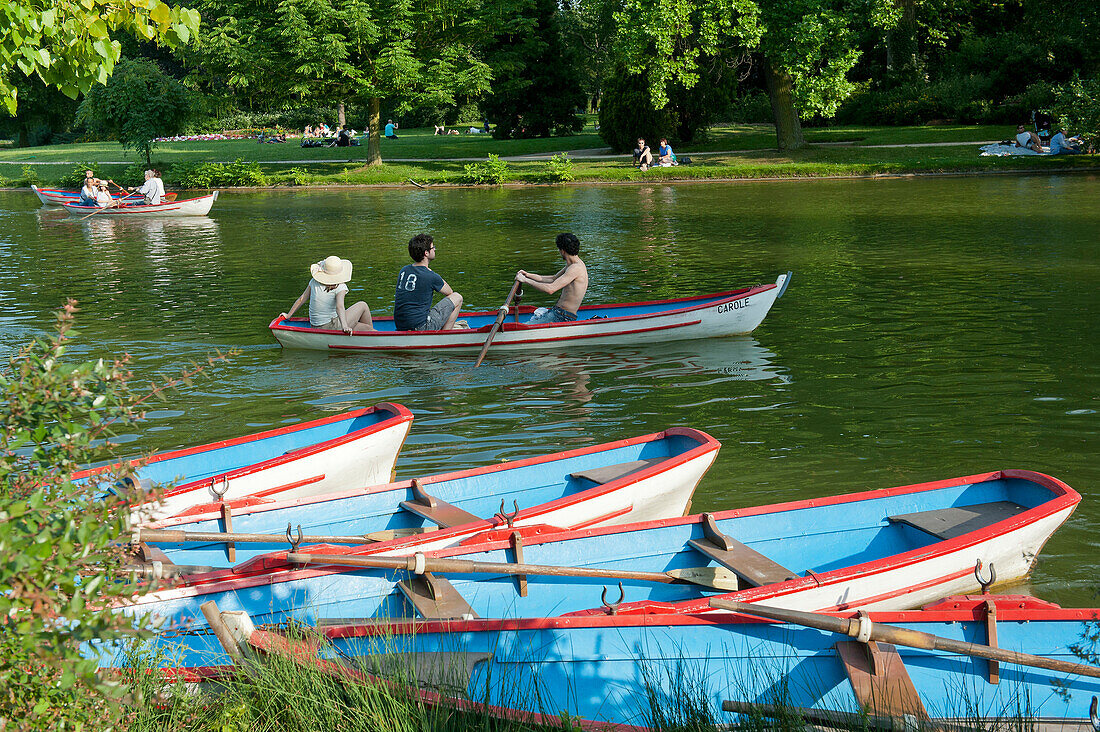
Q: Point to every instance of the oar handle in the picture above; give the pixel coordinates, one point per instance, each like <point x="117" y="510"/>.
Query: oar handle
<point x="182" y="537"/>
<point x="864" y="629"/>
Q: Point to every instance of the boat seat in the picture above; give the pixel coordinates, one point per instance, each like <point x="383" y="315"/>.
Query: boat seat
<point x="750" y="566"/>
<point x="608" y="473"/>
<point x="948" y="523"/>
<point x="442" y="514"/>
<point x="434" y="598"/>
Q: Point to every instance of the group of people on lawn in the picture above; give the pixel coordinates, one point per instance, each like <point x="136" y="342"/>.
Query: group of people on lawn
<point x="96" y="191"/>
<point x="1060" y="144"/>
<point x="643" y="156"/>
<point x="417" y="284"/>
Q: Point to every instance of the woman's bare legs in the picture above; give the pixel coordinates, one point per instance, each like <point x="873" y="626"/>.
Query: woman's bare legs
<point x="358" y="316"/>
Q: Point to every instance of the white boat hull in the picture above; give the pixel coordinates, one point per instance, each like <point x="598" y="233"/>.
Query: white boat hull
<point x="191" y="207"/>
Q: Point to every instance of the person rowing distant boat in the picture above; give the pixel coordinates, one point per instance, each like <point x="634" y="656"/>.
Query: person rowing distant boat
<point x="152" y="188"/>
<point x="572" y="280"/>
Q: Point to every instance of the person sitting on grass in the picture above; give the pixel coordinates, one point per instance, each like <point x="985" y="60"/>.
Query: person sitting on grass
<point x="1062" y="145"/>
<point x="390" y="130"/>
<point x="1027" y="139"/>
<point x="643" y="158"/>
<point x="307" y="132"/>
<point x="325" y="292"/>
<point x="440" y="130"/>
<point x="417" y="285"/>
<point x="665" y="157"/>
<point x="572" y="280"/>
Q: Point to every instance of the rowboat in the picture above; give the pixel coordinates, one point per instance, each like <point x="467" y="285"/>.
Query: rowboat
<point x="56" y="196"/>
<point x="894" y="548"/>
<point x="647" y="669"/>
<point x="191" y="207"/>
<point x="638" y="479"/>
<point x="706" y="316"/>
<point x="331" y="454"/>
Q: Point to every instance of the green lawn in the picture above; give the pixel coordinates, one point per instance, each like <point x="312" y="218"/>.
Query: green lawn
<point x="731" y="151"/>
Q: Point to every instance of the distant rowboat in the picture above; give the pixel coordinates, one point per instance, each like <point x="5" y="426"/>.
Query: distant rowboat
<point x="335" y="453"/>
<point x="57" y="197"/>
<point x="705" y="316"/>
<point x="191" y="207"/>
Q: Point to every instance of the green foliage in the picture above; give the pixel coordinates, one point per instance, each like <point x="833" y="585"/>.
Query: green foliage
<point x="68" y="45"/>
<point x="532" y="97"/>
<point x="139" y="103"/>
<point x="560" y="169"/>
<point x="751" y="107"/>
<point x="297" y="177"/>
<point x="30" y="175"/>
<point x="75" y="177"/>
<point x="217" y="175"/>
<point x="1077" y="107"/>
<point x="493" y="171"/>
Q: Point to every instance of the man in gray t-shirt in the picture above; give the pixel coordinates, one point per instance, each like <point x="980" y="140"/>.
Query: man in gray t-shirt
<point x="417" y="285"/>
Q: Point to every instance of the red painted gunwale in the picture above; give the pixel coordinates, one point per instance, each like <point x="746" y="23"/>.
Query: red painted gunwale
<point x="697" y="302"/>
<point x="400" y="413"/>
<point x="137" y="207"/>
<point x="273" y="568"/>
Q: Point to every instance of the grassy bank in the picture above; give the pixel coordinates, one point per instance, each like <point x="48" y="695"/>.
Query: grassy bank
<point x="730" y="152"/>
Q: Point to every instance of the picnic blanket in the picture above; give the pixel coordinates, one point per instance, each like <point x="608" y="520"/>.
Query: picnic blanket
<point x="999" y="149"/>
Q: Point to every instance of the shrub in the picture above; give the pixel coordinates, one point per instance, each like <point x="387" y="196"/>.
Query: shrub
<point x="30" y="175"/>
<point x="75" y="178"/>
<point x="217" y="175"/>
<point x="1077" y="107"/>
<point x="492" y="171"/>
<point x="296" y="177"/>
<point x="559" y="169"/>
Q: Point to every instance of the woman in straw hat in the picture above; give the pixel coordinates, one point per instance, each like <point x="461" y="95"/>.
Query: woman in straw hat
<point x="325" y="293"/>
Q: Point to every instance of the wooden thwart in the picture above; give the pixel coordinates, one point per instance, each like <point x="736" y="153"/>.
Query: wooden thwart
<point x="947" y="523"/>
<point x="435" y="598"/>
<point x="879" y="680"/>
<point x="750" y="565"/>
<point x="608" y="473"/>
<point x="436" y="510"/>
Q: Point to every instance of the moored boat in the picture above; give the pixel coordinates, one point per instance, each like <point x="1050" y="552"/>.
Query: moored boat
<point x="190" y="207"/>
<point x="705" y="316"/>
<point x="330" y="454"/>
<point x="638" y="479"/>
<point x="57" y="196"/>
<point x="888" y="549"/>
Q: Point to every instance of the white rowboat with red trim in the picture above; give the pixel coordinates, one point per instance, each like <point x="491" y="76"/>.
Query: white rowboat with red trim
<point x="191" y="207"/>
<point x="335" y="453"/>
<point x="638" y="479"/>
<point x="707" y="316"/>
<point x="887" y="549"/>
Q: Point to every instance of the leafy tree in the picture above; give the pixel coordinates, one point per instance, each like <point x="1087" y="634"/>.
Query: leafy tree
<point x="537" y="89"/>
<point x="1077" y="108"/>
<point x="43" y="112"/>
<point x="68" y="44"/>
<point x="805" y="48"/>
<point x="589" y="27"/>
<point x="297" y="51"/>
<point x="139" y="103"/>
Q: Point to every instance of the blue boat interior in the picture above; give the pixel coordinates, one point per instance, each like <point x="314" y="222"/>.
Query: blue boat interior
<point x="479" y="494"/>
<point x="596" y="312"/>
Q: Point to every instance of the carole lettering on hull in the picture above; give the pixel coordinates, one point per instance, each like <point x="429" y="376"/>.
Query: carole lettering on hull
<point x="734" y="305"/>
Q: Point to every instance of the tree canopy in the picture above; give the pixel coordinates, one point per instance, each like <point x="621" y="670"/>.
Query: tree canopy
<point x="69" y="44"/>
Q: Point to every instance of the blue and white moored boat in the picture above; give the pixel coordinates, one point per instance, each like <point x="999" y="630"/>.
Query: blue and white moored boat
<point x="335" y="453"/>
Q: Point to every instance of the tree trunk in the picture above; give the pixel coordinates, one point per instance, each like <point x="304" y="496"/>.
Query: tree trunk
<point x="341" y="117"/>
<point x="902" y="62"/>
<point x="374" y="140"/>
<point x="788" y="128"/>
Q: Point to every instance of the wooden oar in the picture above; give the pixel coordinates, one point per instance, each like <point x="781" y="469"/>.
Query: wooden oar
<point x="855" y="627"/>
<point x="180" y="537"/>
<point x="716" y="577"/>
<point x="501" y="315"/>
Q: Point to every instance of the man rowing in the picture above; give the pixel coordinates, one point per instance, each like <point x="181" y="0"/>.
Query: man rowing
<point x="572" y="280"/>
<point x="152" y="188"/>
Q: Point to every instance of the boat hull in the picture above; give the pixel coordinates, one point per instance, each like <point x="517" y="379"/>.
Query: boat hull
<point x="190" y="207"/>
<point x="543" y="489"/>
<point x="824" y="569"/>
<point x="56" y="197"/>
<point x="330" y="454"/>
<point x="711" y="316"/>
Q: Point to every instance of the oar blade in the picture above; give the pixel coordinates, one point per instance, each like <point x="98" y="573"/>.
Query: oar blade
<point x="718" y="578"/>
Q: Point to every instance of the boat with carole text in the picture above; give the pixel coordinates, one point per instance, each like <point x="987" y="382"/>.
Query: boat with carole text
<point x="190" y="207"/>
<point x="705" y="316"/>
<point x="334" y="453"/>
<point x="638" y="479"/>
<point x="888" y="549"/>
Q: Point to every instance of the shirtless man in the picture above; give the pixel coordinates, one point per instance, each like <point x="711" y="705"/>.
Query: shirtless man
<point x="572" y="280"/>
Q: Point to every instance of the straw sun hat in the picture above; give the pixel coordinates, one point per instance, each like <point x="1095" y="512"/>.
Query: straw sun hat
<point x="331" y="271"/>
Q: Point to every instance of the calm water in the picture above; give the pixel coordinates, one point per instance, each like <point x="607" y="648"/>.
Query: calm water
<point x="933" y="328"/>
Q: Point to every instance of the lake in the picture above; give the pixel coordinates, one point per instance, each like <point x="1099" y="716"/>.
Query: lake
<point x="934" y="327"/>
